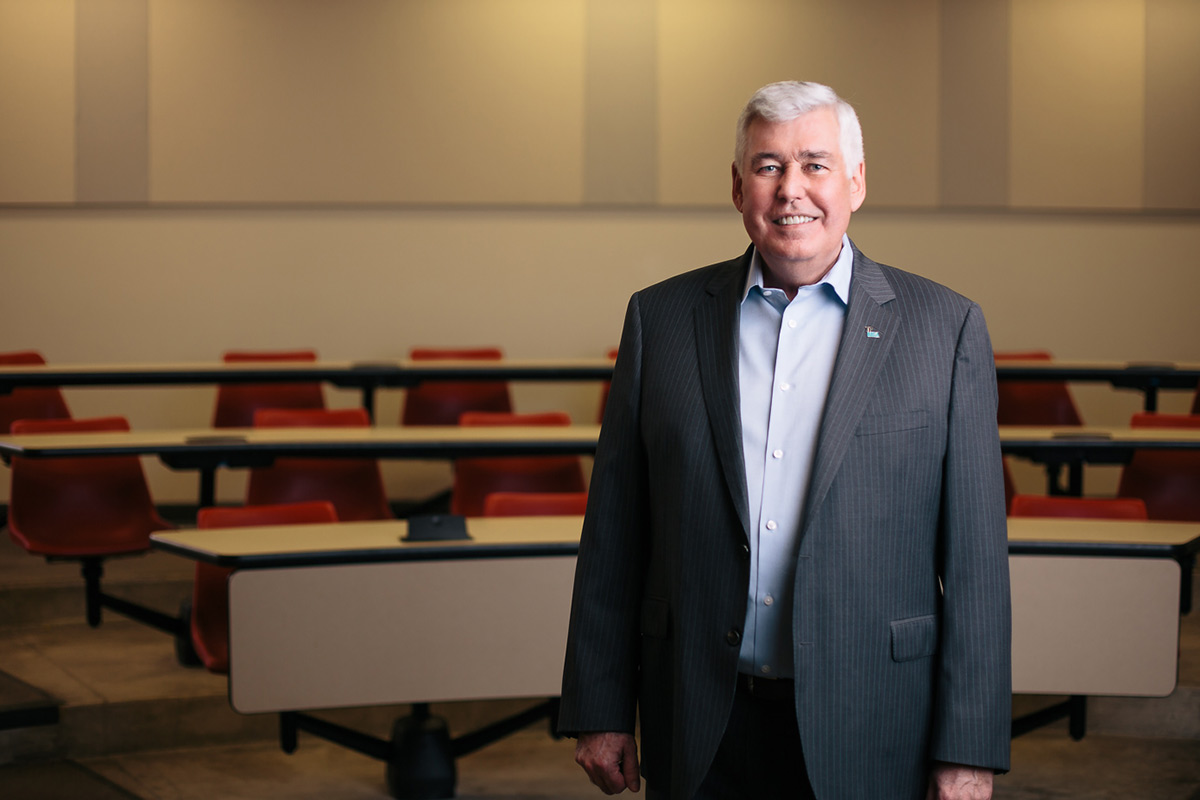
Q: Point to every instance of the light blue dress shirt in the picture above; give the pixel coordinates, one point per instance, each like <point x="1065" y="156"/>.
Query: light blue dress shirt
<point x="786" y="355"/>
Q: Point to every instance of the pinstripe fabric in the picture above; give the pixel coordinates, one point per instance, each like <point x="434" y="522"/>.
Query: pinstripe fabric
<point x="906" y="487"/>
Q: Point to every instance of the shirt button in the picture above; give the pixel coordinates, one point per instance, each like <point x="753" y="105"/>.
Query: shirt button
<point x="777" y="454"/>
<point x="768" y="600"/>
<point x="734" y="637"/>
<point x="785" y="386"/>
<point x="772" y="525"/>
<point x="791" y="323"/>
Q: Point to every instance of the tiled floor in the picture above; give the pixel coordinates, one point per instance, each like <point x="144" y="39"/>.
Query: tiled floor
<point x="147" y="728"/>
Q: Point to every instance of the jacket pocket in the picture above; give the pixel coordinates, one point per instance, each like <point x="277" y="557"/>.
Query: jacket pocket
<point x="875" y="424"/>
<point x="656" y="617"/>
<point x="915" y="637"/>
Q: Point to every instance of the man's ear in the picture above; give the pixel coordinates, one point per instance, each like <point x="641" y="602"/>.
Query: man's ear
<point x="737" y="186"/>
<point x="858" y="186"/>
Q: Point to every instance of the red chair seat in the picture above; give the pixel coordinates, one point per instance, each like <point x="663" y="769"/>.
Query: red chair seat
<point x="1035" y="402"/>
<point x="534" y="504"/>
<point x="1167" y="481"/>
<point x="443" y="402"/>
<point x="210" y="592"/>
<point x="80" y="507"/>
<point x="237" y="402"/>
<point x="29" y="403"/>
<point x="476" y="478"/>
<point x="1035" y="505"/>
<point x="353" y="485"/>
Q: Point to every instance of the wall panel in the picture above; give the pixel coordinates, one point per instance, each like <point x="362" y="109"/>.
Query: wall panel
<point x="37" y="101"/>
<point x="466" y="101"/>
<point x="1078" y="100"/>
<point x="1172" y="104"/>
<point x="881" y="56"/>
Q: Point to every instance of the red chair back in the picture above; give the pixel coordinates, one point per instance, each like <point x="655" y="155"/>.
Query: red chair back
<point x="535" y="504"/>
<point x="353" y="485"/>
<point x="210" y="594"/>
<point x="237" y="402"/>
<point x="476" y="478"/>
<point x="29" y="403"/>
<point x="1034" y="505"/>
<point x="1035" y="402"/>
<point x="80" y="507"/>
<point x="443" y="402"/>
<point x="1167" y="481"/>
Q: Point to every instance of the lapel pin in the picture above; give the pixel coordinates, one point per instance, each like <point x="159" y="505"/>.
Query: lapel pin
<point x="872" y="333"/>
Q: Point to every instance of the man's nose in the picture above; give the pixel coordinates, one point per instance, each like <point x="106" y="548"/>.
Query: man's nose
<point x="793" y="184"/>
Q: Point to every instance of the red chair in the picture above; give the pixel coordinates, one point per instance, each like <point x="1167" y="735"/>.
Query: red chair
<point x="443" y="402"/>
<point x="1035" y="402"/>
<point x="209" y="608"/>
<point x="84" y="509"/>
<point x="1036" y="505"/>
<point x="476" y="478"/>
<point x="237" y="402"/>
<point x="29" y="403"/>
<point x="1167" y="481"/>
<point x="353" y="485"/>
<point x="535" y="504"/>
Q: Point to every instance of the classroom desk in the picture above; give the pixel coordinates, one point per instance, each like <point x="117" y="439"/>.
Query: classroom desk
<point x="1147" y="377"/>
<point x="366" y="376"/>
<point x="370" y="375"/>
<point x="206" y="449"/>
<point x="1095" y="610"/>
<point x="1073" y="447"/>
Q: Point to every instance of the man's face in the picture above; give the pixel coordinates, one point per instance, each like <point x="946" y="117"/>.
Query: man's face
<point x="795" y="196"/>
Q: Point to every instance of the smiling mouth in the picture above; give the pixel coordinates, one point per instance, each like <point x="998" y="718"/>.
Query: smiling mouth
<point x="794" y="220"/>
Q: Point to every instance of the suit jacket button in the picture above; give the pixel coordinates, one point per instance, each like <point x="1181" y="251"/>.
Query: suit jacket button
<point x="734" y="637"/>
<point x="745" y="551"/>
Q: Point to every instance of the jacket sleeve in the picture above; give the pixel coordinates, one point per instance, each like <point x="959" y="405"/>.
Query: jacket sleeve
<point x="972" y="717"/>
<point x="600" y="675"/>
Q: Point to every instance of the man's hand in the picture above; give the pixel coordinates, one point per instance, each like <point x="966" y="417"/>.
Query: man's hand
<point x="610" y="760"/>
<point x="957" y="782"/>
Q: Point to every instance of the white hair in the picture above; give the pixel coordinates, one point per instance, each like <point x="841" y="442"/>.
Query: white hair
<point x="787" y="100"/>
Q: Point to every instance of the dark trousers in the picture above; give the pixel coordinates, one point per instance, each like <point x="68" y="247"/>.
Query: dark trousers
<point x="760" y="755"/>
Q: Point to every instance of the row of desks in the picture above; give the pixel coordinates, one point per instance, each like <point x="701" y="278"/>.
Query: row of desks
<point x="206" y="450"/>
<point x="350" y="614"/>
<point x="354" y="614"/>
<point x="369" y="376"/>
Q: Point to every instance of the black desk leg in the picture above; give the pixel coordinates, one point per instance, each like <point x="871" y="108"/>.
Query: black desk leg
<point x="421" y="755"/>
<point x="368" y="401"/>
<point x="421" y="763"/>
<point x="208" y="486"/>
<point x="1077" y="724"/>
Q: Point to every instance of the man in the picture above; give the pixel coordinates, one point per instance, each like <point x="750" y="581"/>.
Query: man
<point x="794" y="562"/>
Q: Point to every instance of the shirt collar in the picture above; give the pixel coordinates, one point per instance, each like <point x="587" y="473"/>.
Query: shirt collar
<point x="838" y="276"/>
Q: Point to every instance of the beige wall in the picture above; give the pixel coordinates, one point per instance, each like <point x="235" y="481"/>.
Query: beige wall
<point x="365" y="177"/>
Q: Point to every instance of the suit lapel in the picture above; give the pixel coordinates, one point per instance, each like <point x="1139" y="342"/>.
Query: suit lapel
<point x="871" y="327"/>
<point x="716" y="320"/>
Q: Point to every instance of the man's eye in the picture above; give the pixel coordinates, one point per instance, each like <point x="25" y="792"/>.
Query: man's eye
<point x="816" y="167"/>
<point x="769" y="169"/>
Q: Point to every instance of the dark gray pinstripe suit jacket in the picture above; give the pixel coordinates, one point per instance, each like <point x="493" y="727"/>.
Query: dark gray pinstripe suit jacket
<point x="906" y="496"/>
